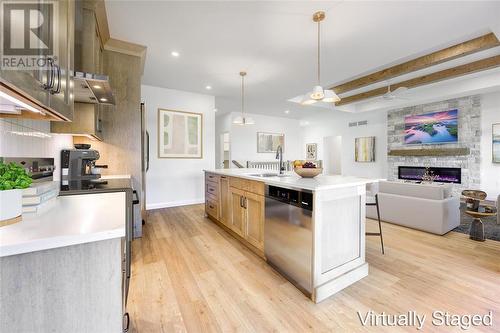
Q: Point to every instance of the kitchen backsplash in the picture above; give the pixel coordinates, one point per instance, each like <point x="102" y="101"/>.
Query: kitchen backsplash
<point x="32" y="138"/>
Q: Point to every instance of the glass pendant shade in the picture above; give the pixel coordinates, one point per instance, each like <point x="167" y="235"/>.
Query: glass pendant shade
<point x="330" y="96"/>
<point x="238" y="120"/>
<point x="243" y="121"/>
<point x="307" y="100"/>
<point x="317" y="93"/>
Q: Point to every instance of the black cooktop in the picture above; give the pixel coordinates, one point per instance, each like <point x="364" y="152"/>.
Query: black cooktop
<point x="95" y="186"/>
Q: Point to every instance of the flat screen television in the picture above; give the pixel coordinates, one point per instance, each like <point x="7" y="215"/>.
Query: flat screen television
<point x="432" y="128"/>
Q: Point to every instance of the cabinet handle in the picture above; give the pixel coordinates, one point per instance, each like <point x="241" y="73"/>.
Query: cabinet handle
<point x="57" y="90"/>
<point x="50" y="75"/>
<point x="245" y="203"/>
<point x="241" y="202"/>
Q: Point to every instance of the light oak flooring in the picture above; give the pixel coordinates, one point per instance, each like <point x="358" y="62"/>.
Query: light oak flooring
<point x="188" y="275"/>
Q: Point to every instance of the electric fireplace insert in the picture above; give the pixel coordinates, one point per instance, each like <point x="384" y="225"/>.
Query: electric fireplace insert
<point x="443" y="175"/>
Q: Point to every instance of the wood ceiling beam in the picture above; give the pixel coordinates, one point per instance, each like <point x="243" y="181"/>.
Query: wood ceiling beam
<point x="453" y="52"/>
<point x="446" y="74"/>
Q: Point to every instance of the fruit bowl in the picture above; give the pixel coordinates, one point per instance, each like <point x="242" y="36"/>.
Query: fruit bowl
<point x="308" y="172"/>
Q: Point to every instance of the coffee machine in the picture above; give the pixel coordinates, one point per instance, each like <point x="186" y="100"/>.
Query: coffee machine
<point x="78" y="165"/>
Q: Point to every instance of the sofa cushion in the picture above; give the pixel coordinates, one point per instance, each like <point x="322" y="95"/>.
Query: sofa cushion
<point x="425" y="191"/>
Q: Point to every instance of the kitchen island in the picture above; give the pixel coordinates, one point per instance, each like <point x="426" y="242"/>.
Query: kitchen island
<point x="62" y="270"/>
<point x="312" y="230"/>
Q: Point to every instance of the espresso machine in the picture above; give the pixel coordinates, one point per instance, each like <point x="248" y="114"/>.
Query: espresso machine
<point x="78" y="166"/>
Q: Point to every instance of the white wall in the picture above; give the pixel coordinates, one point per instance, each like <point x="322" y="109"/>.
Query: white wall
<point x="29" y="145"/>
<point x="490" y="172"/>
<point x="243" y="139"/>
<point x="336" y="123"/>
<point x="176" y="182"/>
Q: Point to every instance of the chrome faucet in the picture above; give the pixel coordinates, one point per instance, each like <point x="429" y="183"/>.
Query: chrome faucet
<point x="279" y="155"/>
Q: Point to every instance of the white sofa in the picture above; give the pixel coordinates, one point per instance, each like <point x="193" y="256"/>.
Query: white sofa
<point x="427" y="207"/>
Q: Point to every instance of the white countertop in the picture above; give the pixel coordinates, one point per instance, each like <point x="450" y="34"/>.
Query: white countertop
<point x="73" y="219"/>
<point x="318" y="183"/>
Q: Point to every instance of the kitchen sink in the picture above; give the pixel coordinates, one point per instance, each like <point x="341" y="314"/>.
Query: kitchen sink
<point x="265" y="175"/>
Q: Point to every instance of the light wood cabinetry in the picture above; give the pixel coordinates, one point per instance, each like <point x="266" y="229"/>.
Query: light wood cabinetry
<point x="237" y="219"/>
<point x="237" y="204"/>
<point x="50" y="87"/>
<point x="225" y="203"/>
<point x="89" y="48"/>
<point x="254" y="217"/>
<point x="87" y="121"/>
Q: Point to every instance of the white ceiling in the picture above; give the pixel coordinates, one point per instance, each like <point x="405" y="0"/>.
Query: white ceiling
<point x="275" y="43"/>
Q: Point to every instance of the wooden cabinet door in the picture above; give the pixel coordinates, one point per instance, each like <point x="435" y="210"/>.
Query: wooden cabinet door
<point x="237" y="217"/>
<point x="225" y="202"/>
<point x="254" y="216"/>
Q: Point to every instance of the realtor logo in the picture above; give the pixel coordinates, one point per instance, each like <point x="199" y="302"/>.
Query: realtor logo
<point x="28" y="30"/>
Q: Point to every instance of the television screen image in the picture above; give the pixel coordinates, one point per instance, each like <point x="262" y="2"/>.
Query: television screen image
<point x="432" y="128"/>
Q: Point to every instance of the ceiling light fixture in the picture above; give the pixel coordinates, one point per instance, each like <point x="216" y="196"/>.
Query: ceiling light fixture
<point x="96" y="86"/>
<point x="175" y="54"/>
<point x="103" y="99"/>
<point x="287" y="111"/>
<point x="318" y="94"/>
<point x="208" y="87"/>
<point x="242" y="120"/>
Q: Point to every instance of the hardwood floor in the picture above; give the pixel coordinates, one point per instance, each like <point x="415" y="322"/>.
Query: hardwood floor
<point x="190" y="275"/>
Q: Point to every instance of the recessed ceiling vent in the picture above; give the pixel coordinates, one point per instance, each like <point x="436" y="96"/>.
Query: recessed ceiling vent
<point x="358" y="123"/>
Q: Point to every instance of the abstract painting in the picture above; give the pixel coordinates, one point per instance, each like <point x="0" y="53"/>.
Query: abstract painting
<point x="311" y="151"/>
<point x="179" y="134"/>
<point x="496" y="143"/>
<point x="432" y="128"/>
<point x="269" y="142"/>
<point x="364" y="150"/>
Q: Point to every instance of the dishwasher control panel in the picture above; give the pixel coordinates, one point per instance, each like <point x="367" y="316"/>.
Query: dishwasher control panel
<point x="297" y="198"/>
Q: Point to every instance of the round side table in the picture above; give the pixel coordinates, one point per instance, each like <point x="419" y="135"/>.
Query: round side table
<point x="477" y="227"/>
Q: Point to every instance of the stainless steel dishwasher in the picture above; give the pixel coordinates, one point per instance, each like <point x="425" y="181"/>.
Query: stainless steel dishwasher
<point x="288" y="234"/>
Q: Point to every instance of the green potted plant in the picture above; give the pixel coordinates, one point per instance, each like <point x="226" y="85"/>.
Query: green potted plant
<point x="13" y="178"/>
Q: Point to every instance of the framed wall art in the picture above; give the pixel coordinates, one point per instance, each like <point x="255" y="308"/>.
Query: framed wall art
<point x="364" y="149"/>
<point x="496" y="143"/>
<point x="180" y="134"/>
<point x="311" y="151"/>
<point x="269" y="142"/>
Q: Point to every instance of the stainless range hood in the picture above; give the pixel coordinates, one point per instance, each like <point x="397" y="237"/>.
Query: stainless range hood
<point x="92" y="88"/>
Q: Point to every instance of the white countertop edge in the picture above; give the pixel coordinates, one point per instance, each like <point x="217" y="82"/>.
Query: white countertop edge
<point x="57" y="242"/>
<point x="292" y="181"/>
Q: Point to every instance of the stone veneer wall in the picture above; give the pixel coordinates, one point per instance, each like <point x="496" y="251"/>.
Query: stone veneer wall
<point x="469" y="135"/>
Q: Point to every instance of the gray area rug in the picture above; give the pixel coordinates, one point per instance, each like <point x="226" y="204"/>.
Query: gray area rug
<point x="491" y="228"/>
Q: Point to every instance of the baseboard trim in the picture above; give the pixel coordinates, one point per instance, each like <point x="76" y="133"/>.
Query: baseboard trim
<point x="174" y="204"/>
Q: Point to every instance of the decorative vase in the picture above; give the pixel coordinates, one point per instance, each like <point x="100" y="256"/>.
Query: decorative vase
<point x="11" y="206"/>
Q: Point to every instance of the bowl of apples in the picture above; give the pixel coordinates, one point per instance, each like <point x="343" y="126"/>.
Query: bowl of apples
<point x="306" y="169"/>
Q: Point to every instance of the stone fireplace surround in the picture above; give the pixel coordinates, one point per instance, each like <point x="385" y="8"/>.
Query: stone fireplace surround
<point x="469" y="136"/>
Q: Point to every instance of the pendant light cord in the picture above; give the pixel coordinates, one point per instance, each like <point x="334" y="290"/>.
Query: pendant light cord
<point x="243" y="96"/>
<point x="319" y="55"/>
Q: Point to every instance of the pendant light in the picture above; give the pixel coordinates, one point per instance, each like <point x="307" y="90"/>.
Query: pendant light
<point x="242" y="120"/>
<point x="318" y="94"/>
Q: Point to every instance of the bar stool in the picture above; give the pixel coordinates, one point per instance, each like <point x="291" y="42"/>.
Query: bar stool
<point x="379" y="223"/>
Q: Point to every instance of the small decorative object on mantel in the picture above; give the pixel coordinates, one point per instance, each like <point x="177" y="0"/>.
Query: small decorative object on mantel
<point x="364" y="149"/>
<point x="180" y="134"/>
<point x="13" y="178"/>
<point x="311" y="151"/>
<point x="429" y="176"/>
<point x="306" y="169"/>
<point x="496" y="143"/>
